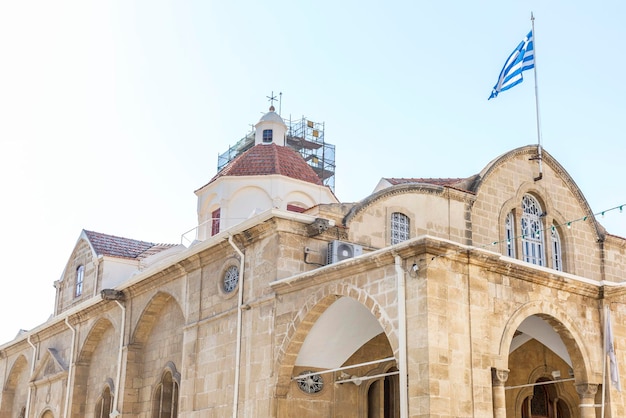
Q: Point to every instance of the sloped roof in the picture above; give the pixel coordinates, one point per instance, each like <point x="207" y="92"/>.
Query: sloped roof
<point x="112" y="246"/>
<point x="263" y="160"/>
<point x="435" y="181"/>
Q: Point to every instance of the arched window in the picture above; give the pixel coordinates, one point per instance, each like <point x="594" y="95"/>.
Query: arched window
<point x="104" y="404"/>
<point x="399" y="227"/>
<point x="383" y="398"/>
<point x="557" y="261"/>
<point x="80" y="275"/>
<point x="544" y="403"/>
<point x="509" y="226"/>
<point x="165" y="398"/>
<point x="532" y="231"/>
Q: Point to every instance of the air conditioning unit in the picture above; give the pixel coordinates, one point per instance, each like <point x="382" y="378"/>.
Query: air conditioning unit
<point x="340" y="250"/>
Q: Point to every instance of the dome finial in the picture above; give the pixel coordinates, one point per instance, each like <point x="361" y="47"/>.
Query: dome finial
<point x="272" y="108"/>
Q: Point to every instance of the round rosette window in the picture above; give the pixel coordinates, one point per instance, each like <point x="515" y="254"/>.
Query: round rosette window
<point x="231" y="279"/>
<point x="310" y="383"/>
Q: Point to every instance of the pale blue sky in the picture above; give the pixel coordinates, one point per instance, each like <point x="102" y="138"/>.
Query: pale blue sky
<point x="113" y="113"/>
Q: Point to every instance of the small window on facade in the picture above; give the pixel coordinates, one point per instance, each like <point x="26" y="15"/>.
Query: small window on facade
<point x="509" y="227"/>
<point x="294" y="208"/>
<point x="80" y="275"/>
<point x="165" y="401"/>
<point x="215" y="222"/>
<point x="104" y="404"/>
<point x="557" y="261"/>
<point x="231" y="279"/>
<point x="532" y="231"/>
<point x="399" y="227"/>
<point x="267" y="136"/>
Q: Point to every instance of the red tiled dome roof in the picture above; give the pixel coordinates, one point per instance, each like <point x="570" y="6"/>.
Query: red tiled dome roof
<point x="263" y="160"/>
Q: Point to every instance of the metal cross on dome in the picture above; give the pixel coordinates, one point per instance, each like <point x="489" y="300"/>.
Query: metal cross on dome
<point x="272" y="98"/>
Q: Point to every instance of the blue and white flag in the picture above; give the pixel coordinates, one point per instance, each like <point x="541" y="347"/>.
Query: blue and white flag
<point x="522" y="59"/>
<point x="610" y="351"/>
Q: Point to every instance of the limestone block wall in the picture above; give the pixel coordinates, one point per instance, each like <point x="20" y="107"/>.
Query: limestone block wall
<point x="66" y="295"/>
<point x="433" y="210"/>
<point x="615" y="259"/>
<point x="501" y="191"/>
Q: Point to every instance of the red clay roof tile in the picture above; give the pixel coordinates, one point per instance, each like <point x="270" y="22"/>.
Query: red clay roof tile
<point x="262" y="160"/>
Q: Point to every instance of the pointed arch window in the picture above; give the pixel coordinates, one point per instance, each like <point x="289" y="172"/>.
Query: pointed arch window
<point x="104" y="404"/>
<point x="557" y="261"/>
<point x="509" y="227"/>
<point x="399" y="227"/>
<point x="165" y="399"/>
<point x="532" y="231"/>
<point x="80" y="276"/>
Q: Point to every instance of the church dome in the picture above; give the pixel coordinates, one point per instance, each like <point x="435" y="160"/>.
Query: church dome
<point x="263" y="160"/>
<point x="271" y="116"/>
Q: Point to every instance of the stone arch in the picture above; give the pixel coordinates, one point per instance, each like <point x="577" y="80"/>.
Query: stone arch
<point x="93" y="338"/>
<point x="15" y="387"/>
<point x="306" y="317"/>
<point x="47" y="413"/>
<point x="156" y="339"/>
<point x="562" y="324"/>
<point x="530" y="151"/>
<point x="96" y="365"/>
<point x="150" y="315"/>
<point x="537" y="374"/>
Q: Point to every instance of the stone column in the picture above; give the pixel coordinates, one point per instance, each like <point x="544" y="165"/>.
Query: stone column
<point x="587" y="393"/>
<point x="498" y="379"/>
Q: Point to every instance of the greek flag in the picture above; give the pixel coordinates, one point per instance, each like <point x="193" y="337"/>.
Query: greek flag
<point x="522" y="59"/>
<point x="610" y="351"/>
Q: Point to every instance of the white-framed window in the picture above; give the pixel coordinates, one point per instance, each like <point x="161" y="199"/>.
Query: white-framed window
<point x="165" y="399"/>
<point x="557" y="261"/>
<point x="399" y="227"/>
<point x="509" y="227"/>
<point x="532" y="231"/>
<point x="80" y="276"/>
<point x="267" y="136"/>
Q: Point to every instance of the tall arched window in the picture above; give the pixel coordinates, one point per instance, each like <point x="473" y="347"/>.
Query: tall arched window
<point x="80" y="275"/>
<point x="399" y="227"/>
<point x="509" y="226"/>
<point x="165" y="399"/>
<point x="104" y="404"/>
<point x="557" y="261"/>
<point x="383" y="398"/>
<point x="532" y="231"/>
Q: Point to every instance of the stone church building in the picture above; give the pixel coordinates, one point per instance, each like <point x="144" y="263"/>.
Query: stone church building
<point x="484" y="296"/>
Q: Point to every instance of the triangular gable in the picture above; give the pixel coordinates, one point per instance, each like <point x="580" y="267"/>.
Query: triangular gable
<point x="50" y="367"/>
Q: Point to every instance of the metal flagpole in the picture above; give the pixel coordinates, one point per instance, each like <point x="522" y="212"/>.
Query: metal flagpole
<point x="604" y="385"/>
<point x="532" y="20"/>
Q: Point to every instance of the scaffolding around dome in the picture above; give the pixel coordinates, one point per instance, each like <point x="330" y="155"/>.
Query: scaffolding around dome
<point x="304" y="136"/>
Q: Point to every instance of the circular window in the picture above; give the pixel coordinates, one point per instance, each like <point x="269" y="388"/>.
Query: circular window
<point x="231" y="279"/>
<point x="312" y="383"/>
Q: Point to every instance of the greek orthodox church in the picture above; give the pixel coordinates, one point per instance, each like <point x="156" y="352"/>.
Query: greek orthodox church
<point x="498" y="295"/>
